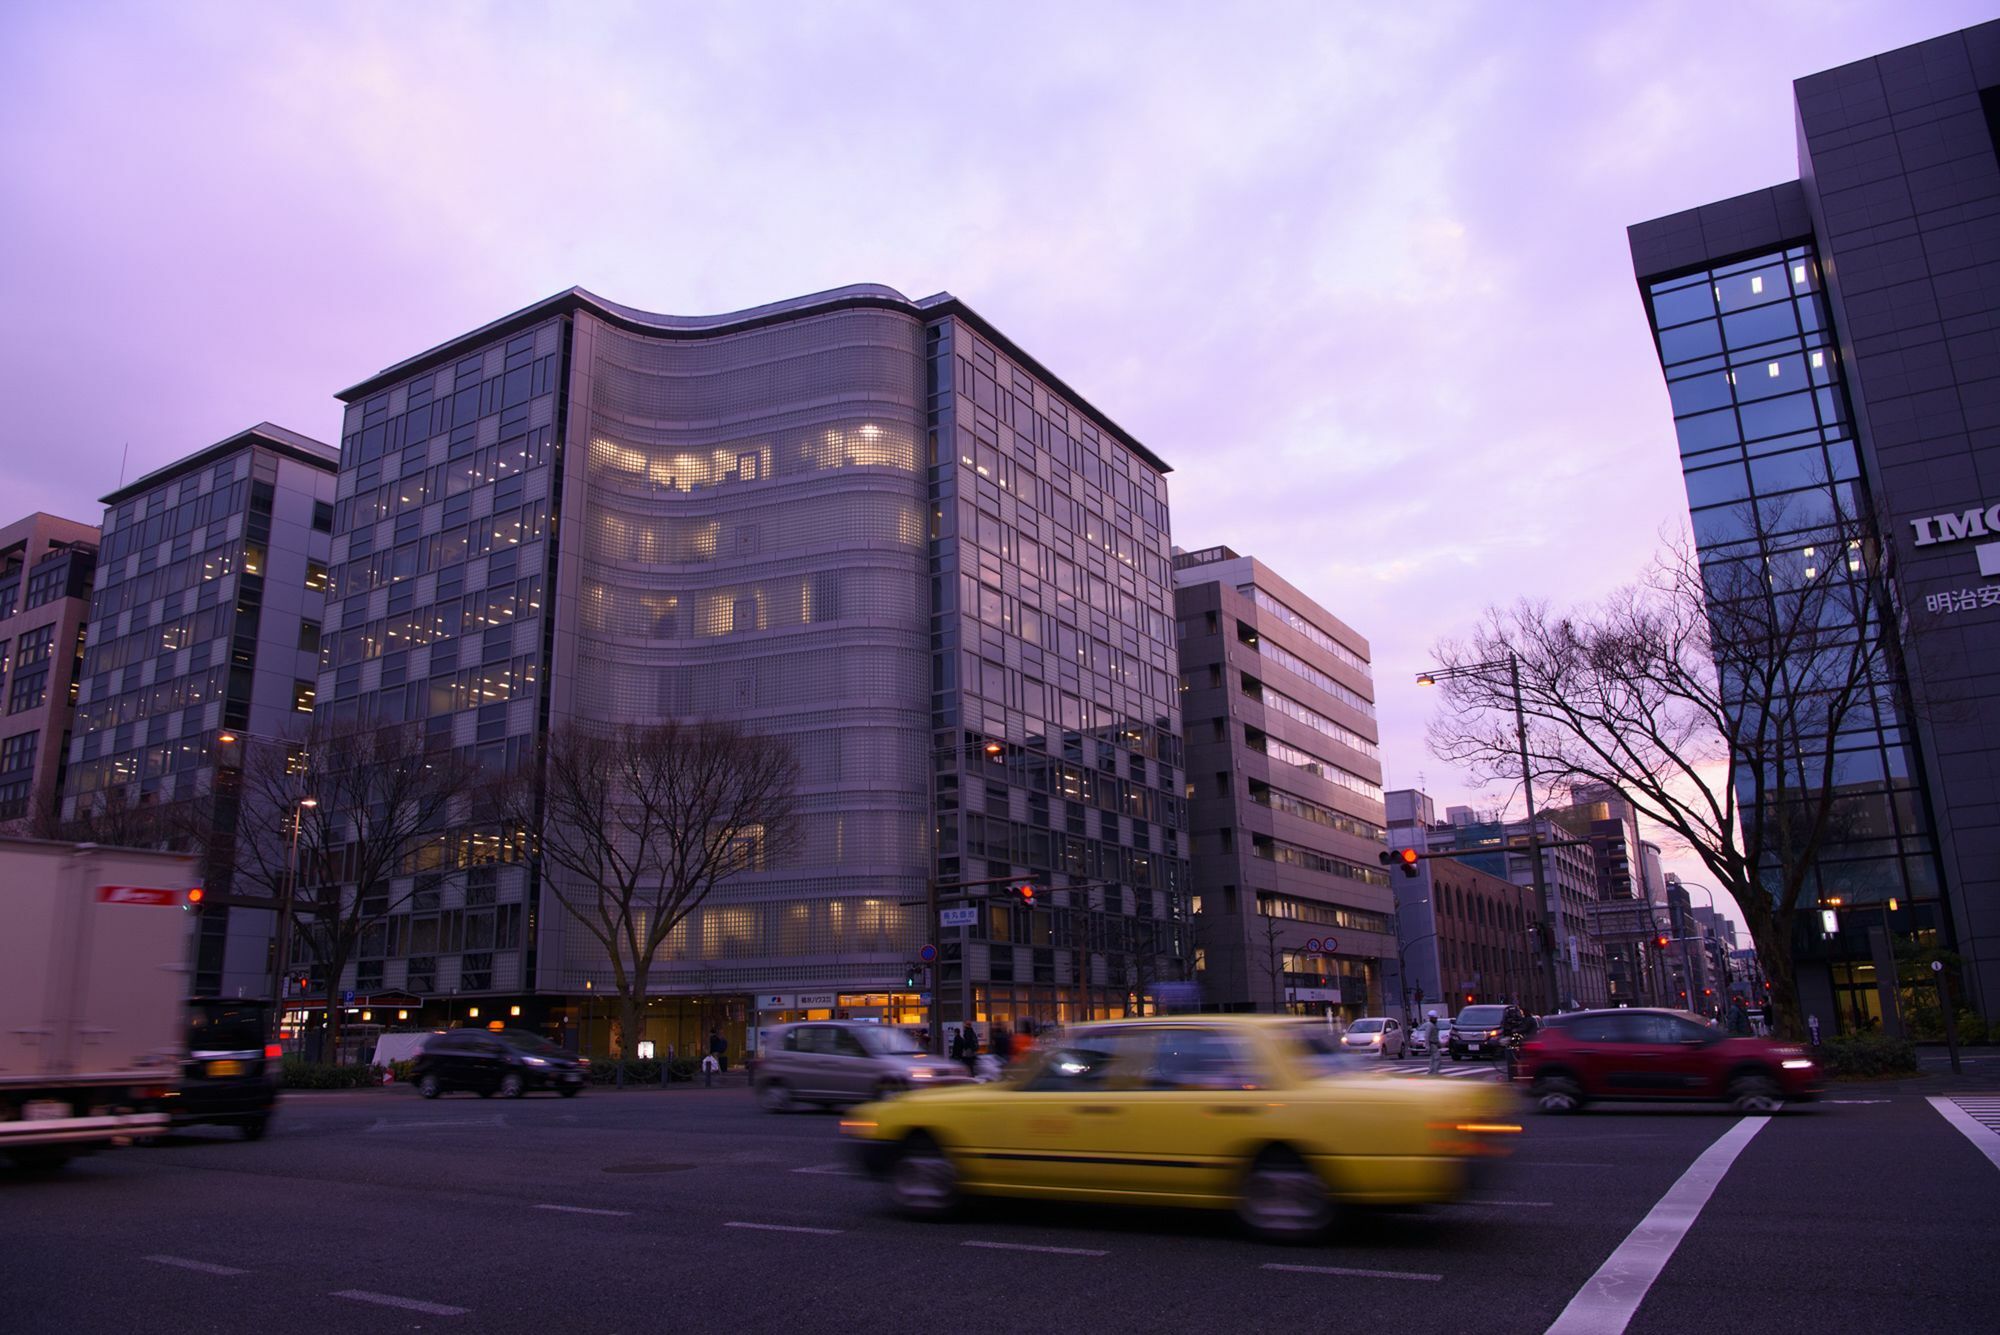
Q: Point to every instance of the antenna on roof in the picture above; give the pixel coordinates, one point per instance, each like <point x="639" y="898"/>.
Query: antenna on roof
<point x="124" y="454"/>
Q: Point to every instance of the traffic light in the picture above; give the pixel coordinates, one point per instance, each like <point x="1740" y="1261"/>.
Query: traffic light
<point x="1406" y="858"/>
<point x="192" y="903"/>
<point x="1026" y="893"/>
<point x="909" y="975"/>
<point x="1660" y="941"/>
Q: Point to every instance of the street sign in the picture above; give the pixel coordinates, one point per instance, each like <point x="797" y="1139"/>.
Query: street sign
<point x="347" y="998"/>
<point x="1312" y="945"/>
<point x="923" y="998"/>
<point x="927" y="954"/>
<point x="1330" y="946"/>
<point x="958" y="918"/>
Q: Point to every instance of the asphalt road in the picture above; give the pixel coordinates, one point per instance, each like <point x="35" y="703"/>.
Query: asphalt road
<point x="690" y="1210"/>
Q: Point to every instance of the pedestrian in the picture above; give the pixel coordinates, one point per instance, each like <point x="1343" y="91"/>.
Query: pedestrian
<point x="711" y="1066"/>
<point x="718" y="1048"/>
<point x="969" y="1053"/>
<point x="1812" y="1025"/>
<point x="998" y="1042"/>
<point x="1431" y="1040"/>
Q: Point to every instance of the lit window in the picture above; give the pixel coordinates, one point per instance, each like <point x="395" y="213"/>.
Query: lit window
<point x="1819" y="359"/>
<point x="1772" y="367"/>
<point x="1799" y="274"/>
<point x="1756" y="283"/>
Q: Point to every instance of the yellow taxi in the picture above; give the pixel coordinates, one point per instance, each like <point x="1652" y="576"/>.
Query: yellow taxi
<point x="1260" y="1114"/>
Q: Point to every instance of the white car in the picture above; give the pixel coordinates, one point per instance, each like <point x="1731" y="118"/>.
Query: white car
<point x="1377" y="1036"/>
<point x="1420" y="1031"/>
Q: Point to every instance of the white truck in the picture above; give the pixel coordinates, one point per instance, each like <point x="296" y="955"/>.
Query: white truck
<point x="94" y="957"/>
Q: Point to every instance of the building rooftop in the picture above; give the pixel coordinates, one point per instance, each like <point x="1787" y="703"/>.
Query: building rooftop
<point x="268" y="434"/>
<point x="854" y="296"/>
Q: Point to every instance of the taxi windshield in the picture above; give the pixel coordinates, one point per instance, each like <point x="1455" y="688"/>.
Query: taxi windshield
<point x="1318" y="1052"/>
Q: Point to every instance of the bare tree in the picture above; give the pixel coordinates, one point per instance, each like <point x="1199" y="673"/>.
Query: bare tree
<point x="389" y="801"/>
<point x="1710" y="694"/>
<point x="635" y="825"/>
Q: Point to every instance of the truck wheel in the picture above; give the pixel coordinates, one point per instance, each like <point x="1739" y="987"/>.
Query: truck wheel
<point x="254" y="1127"/>
<point x="40" y="1158"/>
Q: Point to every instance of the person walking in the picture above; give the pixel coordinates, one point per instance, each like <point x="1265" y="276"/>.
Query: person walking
<point x="718" y="1048"/>
<point x="1431" y="1040"/>
<point x="969" y="1051"/>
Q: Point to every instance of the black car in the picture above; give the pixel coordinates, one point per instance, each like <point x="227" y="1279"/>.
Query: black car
<point x="1486" y="1031"/>
<point x="507" y="1062"/>
<point x="230" y="1073"/>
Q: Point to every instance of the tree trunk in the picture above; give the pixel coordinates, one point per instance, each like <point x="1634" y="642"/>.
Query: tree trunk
<point x="631" y="1023"/>
<point x="1787" y="1017"/>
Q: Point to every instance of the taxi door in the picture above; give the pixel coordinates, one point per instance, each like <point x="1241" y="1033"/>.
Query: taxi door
<point x="1201" y="1095"/>
<point x="1056" y="1131"/>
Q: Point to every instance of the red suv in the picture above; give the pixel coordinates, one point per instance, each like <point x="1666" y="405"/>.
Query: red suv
<point x="1659" y="1054"/>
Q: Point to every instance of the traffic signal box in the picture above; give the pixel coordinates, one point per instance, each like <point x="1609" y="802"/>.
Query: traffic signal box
<point x="1406" y="858"/>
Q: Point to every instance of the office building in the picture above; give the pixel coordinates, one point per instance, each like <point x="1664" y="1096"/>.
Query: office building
<point x="1828" y="345"/>
<point x="1464" y="936"/>
<point x="870" y="524"/>
<point x="210" y="590"/>
<point x="1285" y="794"/>
<point x="46" y="565"/>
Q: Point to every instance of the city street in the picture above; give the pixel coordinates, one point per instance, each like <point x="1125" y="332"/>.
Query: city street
<point x="690" y="1209"/>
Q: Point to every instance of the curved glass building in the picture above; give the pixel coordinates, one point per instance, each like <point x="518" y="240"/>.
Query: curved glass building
<point x="868" y="523"/>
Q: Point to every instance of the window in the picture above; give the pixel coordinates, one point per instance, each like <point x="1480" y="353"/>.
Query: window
<point x="17" y="773"/>
<point x="303" y="693"/>
<point x="31" y="669"/>
<point x="316" y="577"/>
<point x="309" y="636"/>
<point x="322" y="517"/>
<point x="1201" y="1059"/>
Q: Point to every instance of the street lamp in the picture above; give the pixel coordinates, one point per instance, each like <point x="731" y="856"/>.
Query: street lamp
<point x="1512" y="664"/>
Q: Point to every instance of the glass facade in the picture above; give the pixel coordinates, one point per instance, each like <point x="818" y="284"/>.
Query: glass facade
<point x="1768" y="449"/>
<point x="1056" y="749"/>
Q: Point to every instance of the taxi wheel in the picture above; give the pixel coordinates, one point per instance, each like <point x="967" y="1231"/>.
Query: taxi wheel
<point x="1557" y="1094"/>
<point x="922" y="1182"/>
<point x="1282" y="1200"/>
<point x="512" y="1086"/>
<point x="1755" y="1094"/>
<point x="429" y="1087"/>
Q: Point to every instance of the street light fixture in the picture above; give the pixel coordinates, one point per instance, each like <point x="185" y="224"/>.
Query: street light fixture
<point x="1512" y="664"/>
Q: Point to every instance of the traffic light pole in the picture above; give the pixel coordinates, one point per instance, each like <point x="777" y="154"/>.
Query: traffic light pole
<point x="1550" y="916"/>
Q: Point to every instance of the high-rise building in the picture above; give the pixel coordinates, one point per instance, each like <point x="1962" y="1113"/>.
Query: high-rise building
<point x="211" y="583"/>
<point x="46" y="566"/>
<point x="1828" y="350"/>
<point x="1285" y="794"/>
<point x="870" y="524"/>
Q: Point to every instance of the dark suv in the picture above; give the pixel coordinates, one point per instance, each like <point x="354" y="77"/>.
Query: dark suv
<point x="230" y="1072"/>
<point x="1484" y="1031"/>
<point x="507" y="1062"/>
<point x="1660" y="1054"/>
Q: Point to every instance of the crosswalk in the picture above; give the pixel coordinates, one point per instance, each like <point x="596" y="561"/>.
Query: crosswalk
<point x="1981" y="1108"/>
<point x="1447" y="1067"/>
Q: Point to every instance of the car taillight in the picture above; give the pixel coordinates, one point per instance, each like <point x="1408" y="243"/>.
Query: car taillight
<point x="272" y="1052"/>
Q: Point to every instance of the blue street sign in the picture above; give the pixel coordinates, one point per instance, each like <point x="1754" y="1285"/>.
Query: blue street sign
<point x="347" y="996"/>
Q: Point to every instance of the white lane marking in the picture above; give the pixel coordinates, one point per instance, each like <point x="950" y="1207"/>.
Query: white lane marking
<point x="1983" y="1138"/>
<point x="407" y="1304"/>
<point x="497" y="1120"/>
<point x="1542" y="1205"/>
<point x="831" y="1170"/>
<point x="1857" y="1101"/>
<point x="1607" y="1300"/>
<point x="783" y="1228"/>
<point x="206" y="1267"/>
<point x="1031" y="1247"/>
<point x="585" y="1209"/>
<point x="1357" y="1274"/>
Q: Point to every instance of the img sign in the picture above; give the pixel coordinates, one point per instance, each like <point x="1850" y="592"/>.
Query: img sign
<point x="1973" y="523"/>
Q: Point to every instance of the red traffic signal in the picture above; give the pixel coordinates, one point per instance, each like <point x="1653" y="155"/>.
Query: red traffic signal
<point x="1406" y="858"/>
<point x="1660" y="941"/>
<point x="1026" y="893"/>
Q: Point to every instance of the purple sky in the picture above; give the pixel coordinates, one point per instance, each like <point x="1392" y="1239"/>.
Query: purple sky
<point x="1357" y="271"/>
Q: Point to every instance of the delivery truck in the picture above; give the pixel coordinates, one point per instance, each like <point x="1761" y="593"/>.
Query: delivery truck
<point x="95" y="949"/>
